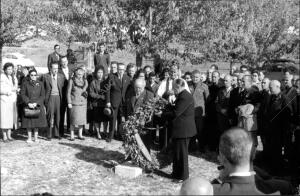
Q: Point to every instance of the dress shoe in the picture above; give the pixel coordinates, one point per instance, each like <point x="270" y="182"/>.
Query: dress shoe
<point x="81" y="138"/>
<point x="72" y="139"/>
<point x="5" y="141"/>
<point x="177" y="181"/>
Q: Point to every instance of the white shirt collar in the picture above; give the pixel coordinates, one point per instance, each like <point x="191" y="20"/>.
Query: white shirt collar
<point x="52" y="76"/>
<point x="242" y="173"/>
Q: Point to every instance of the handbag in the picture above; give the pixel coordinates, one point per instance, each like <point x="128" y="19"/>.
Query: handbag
<point x="32" y="112"/>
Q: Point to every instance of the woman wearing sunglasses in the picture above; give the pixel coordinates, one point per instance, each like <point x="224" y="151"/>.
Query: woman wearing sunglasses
<point x="33" y="96"/>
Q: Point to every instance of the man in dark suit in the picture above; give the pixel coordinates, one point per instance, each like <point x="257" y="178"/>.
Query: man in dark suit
<point x="210" y="124"/>
<point x="278" y="119"/>
<point x="140" y="96"/>
<point x="115" y="97"/>
<point x="235" y="150"/>
<point x="239" y="176"/>
<point x="67" y="71"/>
<point x="102" y="58"/>
<point x="54" y="57"/>
<point x="183" y="128"/>
<point x="234" y="101"/>
<point x="291" y="93"/>
<point x="53" y="83"/>
<point x="264" y="99"/>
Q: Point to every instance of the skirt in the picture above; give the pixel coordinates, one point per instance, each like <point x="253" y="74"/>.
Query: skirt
<point x="78" y="114"/>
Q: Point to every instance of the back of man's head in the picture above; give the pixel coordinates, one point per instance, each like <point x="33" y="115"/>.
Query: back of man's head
<point x="236" y="146"/>
<point x="196" y="186"/>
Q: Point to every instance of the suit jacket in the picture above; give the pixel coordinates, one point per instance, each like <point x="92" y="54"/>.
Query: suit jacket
<point x="133" y="103"/>
<point x="277" y="115"/>
<point x="52" y="58"/>
<point x="183" y="116"/>
<point x="200" y="94"/>
<point x="234" y="102"/>
<point x="264" y="100"/>
<point x="222" y="101"/>
<point x="47" y="81"/>
<point x="117" y="90"/>
<point x="102" y="60"/>
<point x="66" y="82"/>
<point x="153" y="88"/>
<point x="237" y="185"/>
<point x="291" y="94"/>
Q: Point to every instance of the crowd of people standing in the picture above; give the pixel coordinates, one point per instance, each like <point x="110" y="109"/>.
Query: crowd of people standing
<point x="241" y="98"/>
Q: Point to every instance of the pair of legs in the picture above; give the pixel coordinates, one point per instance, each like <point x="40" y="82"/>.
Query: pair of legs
<point x="6" y="134"/>
<point x="72" y="129"/>
<point x="53" y="116"/>
<point x="97" y="126"/>
<point x="36" y="134"/>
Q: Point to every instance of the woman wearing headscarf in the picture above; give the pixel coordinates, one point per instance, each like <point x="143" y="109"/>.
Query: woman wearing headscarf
<point x="77" y="102"/>
<point x="97" y="92"/>
<point x="8" y="99"/>
<point x="33" y="96"/>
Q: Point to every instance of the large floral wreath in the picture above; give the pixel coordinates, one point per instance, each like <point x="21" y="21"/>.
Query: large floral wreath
<point x="135" y="125"/>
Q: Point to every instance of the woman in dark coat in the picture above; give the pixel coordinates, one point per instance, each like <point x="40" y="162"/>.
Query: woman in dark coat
<point x="97" y="91"/>
<point x="33" y="95"/>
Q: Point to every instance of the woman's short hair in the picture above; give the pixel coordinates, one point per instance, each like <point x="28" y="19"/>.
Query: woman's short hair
<point x="32" y="70"/>
<point x="7" y="65"/>
<point x="99" y="68"/>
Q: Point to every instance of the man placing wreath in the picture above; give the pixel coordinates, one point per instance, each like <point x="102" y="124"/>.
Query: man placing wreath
<point x="183" y="128"/>
<point x="137" y="98"/>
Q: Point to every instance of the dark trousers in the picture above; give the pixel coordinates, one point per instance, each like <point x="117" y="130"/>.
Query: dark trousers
<point x="199" y="121"/>
<point x="53" y="115"/>
<point x="113" y="121"/>
<point x="63" y="110"/>
<point x="165" y="136"/>
<point x="180" y="158"/>
<point x="273" y="153"/>
<point x="211" y="131"/>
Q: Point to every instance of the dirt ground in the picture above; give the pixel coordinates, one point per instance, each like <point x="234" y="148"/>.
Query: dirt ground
<point x="62" y="167"/>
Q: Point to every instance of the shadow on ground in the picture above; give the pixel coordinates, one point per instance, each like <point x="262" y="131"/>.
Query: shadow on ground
<point x="98" y="156"/>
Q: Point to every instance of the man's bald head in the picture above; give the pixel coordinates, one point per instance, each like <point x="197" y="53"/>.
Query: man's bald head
<point x="287" y="79"/>
<point x="275" y="87"/>
<point x="196" y="186"/>
<point x="227" y="80"/>
<point x="139" y="86"/>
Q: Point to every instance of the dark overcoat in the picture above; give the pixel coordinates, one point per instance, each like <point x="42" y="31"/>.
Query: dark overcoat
<point x="33" y="92"/>
<point x="183" y="116"/>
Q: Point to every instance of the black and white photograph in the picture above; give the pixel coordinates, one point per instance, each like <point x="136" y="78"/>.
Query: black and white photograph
<point x="149" y="97"/>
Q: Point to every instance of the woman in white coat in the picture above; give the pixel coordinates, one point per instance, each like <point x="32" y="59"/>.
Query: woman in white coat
<point x="8" y="98"/>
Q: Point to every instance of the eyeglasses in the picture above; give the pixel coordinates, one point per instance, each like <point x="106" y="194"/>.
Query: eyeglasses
<point x="32" y="74"/>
